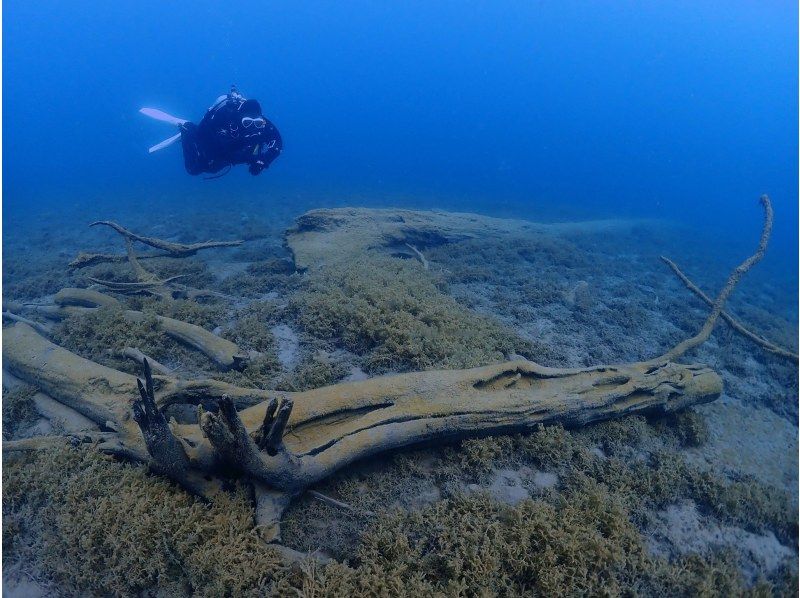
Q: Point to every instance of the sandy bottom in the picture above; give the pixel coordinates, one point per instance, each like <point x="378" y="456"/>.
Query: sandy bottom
<point x="588" y="297"/>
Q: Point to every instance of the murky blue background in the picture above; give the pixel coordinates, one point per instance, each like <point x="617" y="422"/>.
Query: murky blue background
<point x="543" y="110"/>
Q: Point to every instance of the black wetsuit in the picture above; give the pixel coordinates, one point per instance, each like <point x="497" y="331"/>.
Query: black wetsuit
<point x="220" y="140"/>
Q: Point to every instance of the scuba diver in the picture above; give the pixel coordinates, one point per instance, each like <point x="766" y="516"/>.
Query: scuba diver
<point x="233" y="131"/>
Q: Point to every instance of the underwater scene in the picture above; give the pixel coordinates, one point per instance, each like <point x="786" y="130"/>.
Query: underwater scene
<point x="400" y="298"/>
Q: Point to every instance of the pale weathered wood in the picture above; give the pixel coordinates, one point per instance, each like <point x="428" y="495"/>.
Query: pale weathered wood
<point x="330" y="427"/>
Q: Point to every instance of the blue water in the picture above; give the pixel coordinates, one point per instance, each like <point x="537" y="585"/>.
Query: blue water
<point x="543" y="110"/>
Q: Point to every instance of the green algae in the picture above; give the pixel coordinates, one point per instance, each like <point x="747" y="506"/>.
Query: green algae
<point x="261" y="277"/>
<point x="689" y="427"/>
<point x="81" y="523"/>
<point x="92" y="334"/>
<point x="84" y="524"/>
<point x="207" y="315"/>
<point x="251" y="327"/>
<point x="18" y="410"/>
<point x="638" y="489"/>
<point x="392" y="313"/>
<point x="258" y="372"/>
<point x="313" y="372"/>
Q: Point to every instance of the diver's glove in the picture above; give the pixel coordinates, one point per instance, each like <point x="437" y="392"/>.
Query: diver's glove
<point x="256" y="167"/>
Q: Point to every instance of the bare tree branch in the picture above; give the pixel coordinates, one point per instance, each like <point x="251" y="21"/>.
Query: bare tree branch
<point x="173" y="249"/>
<point x="716" y="308"/>
<point x="735" y="324"/>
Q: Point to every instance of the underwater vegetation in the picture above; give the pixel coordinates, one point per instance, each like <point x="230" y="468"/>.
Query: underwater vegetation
<point x="87" y="523"/>
<point x="392" y="313"/>
<point x="18" y="410"/>
<point x="580" y="517"/>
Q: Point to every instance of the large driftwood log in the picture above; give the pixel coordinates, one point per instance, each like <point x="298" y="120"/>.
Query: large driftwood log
<point x="286" y="442"/>
<point x="332" y="426"/>
<point x="289" y="441"/>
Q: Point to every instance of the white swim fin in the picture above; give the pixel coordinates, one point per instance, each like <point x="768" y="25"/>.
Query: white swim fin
<point x="165" y="143"/>
<point x="162" y="116"/>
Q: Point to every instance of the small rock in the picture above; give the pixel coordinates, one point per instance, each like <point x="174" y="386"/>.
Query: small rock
<point x="579" y="296"/>
<point x="356" y="374"/>
<point x="288" y="345"/>
<point x="507" y="487"/>
<point x="545" y="480"/>
<point x="598" y="452"/>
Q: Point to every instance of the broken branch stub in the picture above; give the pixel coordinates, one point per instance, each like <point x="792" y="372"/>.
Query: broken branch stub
<point x="167" y="454"/>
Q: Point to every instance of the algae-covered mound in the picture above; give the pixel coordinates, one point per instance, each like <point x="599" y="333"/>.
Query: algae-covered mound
<point x="582" y="544"/>
<point x="326" y="236"/>
<point x="625" y="472"/>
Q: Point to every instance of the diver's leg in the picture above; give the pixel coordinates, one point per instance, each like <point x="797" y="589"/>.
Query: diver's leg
<point x="192" y="156"/>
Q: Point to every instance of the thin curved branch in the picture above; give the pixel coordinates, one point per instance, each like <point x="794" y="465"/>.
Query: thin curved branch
<point x="702" y="336"/>
<point x="735" y="324"/>
<point x="174" y="249"/>
<point x="419" y="255"/>
<point x="37" y="443"/>
<point x="142" y="275"/>
<point x="135" y="287"/>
